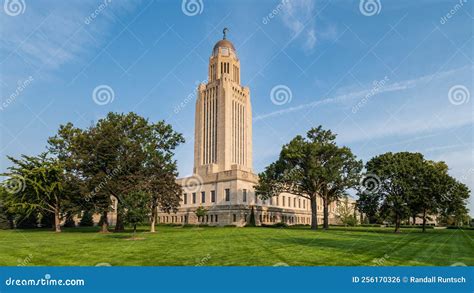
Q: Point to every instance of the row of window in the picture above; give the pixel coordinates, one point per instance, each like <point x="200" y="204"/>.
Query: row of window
<point x="265" y="218"/>
<point x="285" y="201"/>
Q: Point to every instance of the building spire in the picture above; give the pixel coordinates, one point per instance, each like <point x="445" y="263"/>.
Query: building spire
<point x="224" y="31"/>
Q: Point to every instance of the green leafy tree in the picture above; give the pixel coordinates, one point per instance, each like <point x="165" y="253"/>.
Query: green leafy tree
<point x="44" y="182"/>
<point x="86" y="219"/>
<point x="200" y="212"/>
<point x="368" y="204"/>
<point x="310" y="167"/>
<point x="136" y="209"/>
<point x="252" y="222"/>
<point x="345" y="212"/>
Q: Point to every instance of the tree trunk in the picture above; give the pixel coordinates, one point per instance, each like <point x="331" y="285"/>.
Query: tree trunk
<point x="153" y="219"/>
<point x="105" y="223"/>
<point x="326" y="213"/>
<point x="424" y="220"/>
<point x="119" y="226"/>
<point x="314" y="213"/>
<point x="397" y="223"/>
<point x="57" y="220"/>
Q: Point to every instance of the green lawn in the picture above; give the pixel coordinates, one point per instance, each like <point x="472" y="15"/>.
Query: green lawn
<point x="230" y="246"/>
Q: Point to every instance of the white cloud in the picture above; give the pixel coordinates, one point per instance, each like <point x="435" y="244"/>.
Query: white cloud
<point x="297" y="17"/>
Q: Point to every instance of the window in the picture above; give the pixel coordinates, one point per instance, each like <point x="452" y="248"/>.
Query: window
<point x="299" y="203"/>
<point x="207" y="218"/>
<point x="215" y="218"/>
<point x="283" y="201"/>
<point x="244" y="194"/>
<point x="213" y="196"/>
<point x="304" y="203"/>
<point x="212" y="218"/>
<point x="194" y="197"/>
<point x="227" y="194"/>
<point x="294" y="202"/>
<point x="289" y="202"/>
<point x="277" y="199"/>
<point x="203" y="196"/>
<point x="234" y="216"/>
<point x="185" y="198"/>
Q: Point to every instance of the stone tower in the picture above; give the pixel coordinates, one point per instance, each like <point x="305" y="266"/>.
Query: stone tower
<point x="223" y="122"/>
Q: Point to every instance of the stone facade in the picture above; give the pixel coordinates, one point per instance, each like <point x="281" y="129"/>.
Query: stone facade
<point x="223" y="180"/>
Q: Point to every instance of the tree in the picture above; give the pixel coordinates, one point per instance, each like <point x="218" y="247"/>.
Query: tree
<point x="251" y="222"/>
<point x="310" y="167"/>
<point x="200" y="212"/>
<point x="396" y="175"/>
<point x="368" y="204"/>
<point x="44" y="180"/>
<point x="86" y="219"/>
<point x="136" y="209"/>
<point x="341" y="172"/>
<point x="345" y="212"/>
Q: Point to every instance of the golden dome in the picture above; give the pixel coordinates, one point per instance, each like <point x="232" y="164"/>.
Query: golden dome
<point x="223" y="44"/>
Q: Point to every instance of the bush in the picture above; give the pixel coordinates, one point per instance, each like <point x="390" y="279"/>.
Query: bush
<point x="69" y="222"/>
<point x="460" y="227"/>
<point x="27" y="221"/>
<point x="371" y="225"/>
<point x="86" y="220"/>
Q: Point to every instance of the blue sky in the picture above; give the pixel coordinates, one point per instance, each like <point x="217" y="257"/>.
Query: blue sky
<point x="385" y="75"/>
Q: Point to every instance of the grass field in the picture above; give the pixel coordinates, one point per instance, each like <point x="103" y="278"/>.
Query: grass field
<point x="230" y="246"/>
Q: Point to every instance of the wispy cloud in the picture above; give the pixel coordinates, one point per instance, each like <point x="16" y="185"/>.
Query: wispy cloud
<point x="393" y="87"/>
<point x="297" y="17"/>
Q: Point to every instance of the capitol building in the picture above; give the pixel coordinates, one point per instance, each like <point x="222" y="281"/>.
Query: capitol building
<point x="223" y="179"/>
